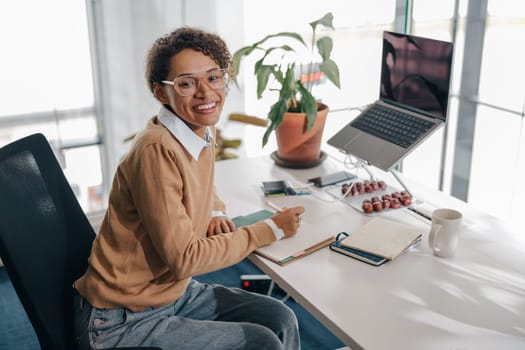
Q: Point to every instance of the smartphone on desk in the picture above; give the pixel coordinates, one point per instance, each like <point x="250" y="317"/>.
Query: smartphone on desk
<point x="331" y="179"/>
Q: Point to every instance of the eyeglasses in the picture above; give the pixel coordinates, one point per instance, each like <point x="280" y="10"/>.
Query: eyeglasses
<point x="187" y="85"/>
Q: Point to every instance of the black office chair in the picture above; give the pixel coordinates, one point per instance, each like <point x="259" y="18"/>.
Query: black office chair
<point x="45" y="238"/>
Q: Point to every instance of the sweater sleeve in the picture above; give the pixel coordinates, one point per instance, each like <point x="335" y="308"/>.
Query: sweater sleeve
<point x="163" y="208"/>
<point x="218" y="204"/>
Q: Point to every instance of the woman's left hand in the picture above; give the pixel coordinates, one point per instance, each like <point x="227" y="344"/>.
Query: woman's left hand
<point x="220" y="224"/>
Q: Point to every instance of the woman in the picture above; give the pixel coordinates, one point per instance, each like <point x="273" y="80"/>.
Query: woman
<point x="165" y="224"/>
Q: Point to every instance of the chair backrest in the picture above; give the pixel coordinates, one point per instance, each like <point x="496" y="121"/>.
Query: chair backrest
<point x="45" y="237"/>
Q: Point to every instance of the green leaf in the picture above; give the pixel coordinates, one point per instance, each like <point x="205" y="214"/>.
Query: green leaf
<point x="324" y="46"/>
<point x="276" y="117"/>
<point x="277" y="112"/>
<point x="263" y="74"/>
<point x="286" y="48"/>
<point x="282" y="34"/>
<point x="236" y="59"/>
<point x="278" y="75"/>
<point x="258" y="64"/>
<point x="326" y="21"/>
<point x="289" y="85"/>
<point x="266" y="136"/>
<point x="329" y="68"/>
<point x="309" y="106"/>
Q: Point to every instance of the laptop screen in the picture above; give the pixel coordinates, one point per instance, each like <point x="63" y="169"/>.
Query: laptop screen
<point x="415" y="73"/>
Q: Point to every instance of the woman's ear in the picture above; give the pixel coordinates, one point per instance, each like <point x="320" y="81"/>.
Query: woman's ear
<point x="160" y="93"/>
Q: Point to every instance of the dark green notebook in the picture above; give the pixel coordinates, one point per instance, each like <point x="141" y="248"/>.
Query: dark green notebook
<point x="355" y="253"/>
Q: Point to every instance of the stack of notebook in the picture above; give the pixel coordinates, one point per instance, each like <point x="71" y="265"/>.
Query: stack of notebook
<point x="378" y="241"/>
<point x="282" y="188"/>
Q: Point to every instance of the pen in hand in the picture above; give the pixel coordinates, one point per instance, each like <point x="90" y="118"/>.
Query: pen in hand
<point x="280" y="210"/>
<point x="297" y="211"/>
<point x="274" y="206"/>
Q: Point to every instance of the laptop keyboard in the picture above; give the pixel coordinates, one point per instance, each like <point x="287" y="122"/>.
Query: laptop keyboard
<point x="397" y="127"/>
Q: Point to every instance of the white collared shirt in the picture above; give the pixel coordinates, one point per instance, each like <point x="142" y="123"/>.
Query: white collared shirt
<point x="192" y="142"/>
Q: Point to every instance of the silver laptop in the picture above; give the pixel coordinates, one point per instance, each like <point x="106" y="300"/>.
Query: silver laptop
<point x="413" y="101"/>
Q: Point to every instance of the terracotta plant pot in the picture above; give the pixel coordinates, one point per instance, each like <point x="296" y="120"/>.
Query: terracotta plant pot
<point x="296" y="147"/>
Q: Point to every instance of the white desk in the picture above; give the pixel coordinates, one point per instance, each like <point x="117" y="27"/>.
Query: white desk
<point x="475" y="300"/>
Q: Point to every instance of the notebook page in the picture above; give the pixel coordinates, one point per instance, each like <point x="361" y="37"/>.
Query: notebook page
<point x="383" y="237"/>
<point x="307" y="237"/>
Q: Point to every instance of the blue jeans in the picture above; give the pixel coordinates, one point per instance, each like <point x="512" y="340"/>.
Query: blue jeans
<point x="206" y="316"/>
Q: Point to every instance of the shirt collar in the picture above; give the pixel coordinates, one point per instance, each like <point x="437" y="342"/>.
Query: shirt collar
<point x="189" y="140"/>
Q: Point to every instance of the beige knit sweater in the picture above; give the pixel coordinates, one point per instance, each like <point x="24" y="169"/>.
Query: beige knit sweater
<point x="153" y="236"/>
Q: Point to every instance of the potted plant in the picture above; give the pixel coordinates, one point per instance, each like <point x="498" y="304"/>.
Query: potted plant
<point x="296" y="109"/>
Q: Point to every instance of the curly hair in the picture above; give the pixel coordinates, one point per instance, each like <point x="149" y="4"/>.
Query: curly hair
<point x="165" y="47"/>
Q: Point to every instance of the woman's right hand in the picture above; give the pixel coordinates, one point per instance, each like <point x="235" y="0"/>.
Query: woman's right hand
<point x="288" y="220"/>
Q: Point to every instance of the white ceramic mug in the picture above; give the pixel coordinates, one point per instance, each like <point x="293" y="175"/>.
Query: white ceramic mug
<point x="445" y="231"/>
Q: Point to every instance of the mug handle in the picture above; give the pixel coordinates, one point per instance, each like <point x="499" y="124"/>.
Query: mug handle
<point x="432" y="237"/>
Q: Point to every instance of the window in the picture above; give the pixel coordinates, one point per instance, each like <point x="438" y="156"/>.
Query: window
<point x="47" y="86"/>
<point x="496" y="131"/>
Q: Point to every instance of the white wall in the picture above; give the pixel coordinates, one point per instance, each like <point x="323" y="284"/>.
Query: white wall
<point x="123" y="31"/>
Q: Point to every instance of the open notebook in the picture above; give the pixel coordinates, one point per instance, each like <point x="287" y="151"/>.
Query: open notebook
<point x="308" y="239"/>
